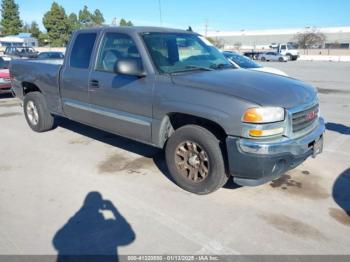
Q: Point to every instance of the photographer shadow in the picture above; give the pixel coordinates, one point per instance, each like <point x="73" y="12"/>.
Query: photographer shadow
<point x="92" y="236"/>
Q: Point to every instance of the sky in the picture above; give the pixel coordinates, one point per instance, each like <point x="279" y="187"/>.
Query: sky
<point x="220" y="15"/>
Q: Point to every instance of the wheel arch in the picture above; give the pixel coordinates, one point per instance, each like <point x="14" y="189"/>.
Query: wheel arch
<point x="175" y="120"/>
<point x="29" y="87"/>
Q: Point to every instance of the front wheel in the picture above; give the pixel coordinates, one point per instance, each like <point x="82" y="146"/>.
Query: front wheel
<point x="281" y="59"/>
<point x="36" y="112"/>
<point x="195" y="160"/>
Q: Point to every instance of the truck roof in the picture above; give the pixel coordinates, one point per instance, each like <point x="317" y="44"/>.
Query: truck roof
<point x="136" y="29"/>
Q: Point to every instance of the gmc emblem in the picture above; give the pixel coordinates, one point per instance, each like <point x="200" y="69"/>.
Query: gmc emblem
<point x="311" y="116"/>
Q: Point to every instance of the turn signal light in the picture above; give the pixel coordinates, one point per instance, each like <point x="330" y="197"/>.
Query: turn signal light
<point x="265" y="133"/>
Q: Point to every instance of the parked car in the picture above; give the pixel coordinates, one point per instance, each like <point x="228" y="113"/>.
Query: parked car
<point x="5" y="81"/>
<point x="50" y="55"/>
<point x="21" y="52"/>
<point x="273" y="56"/>
<point x="213" y="121"/>
<point x="253" y="55"/>
<point x="241" y="61"/>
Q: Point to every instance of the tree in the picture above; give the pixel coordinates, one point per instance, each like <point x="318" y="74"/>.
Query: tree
<point x="34" y="30"/>
<point x="98" y="18"/>
<point x="10" y="22"/>
<point x="310" y="38"/>
<point x="85" y="17"/>
<point x="88" y="19"/>
<point x="43" y="39"/>
<point x="26" y="28"/>
<point x="123" y="22"/>
<point x="73" y="23"/>
<point x="57" y="25"/>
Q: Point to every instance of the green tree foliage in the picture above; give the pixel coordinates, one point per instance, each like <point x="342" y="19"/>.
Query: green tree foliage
<point x="26" y="28"/>
<point x="57" y="25"/>
<point x="10" y="22"/>
<point x="123" y="22"/>
<point x="43" y="39"/>
<point x="73" y="23"/>
<point x="85" y="17"/>
<point x="98" y="18"/>
<point x="88" y="19"/>
<point x="34" y="29"/>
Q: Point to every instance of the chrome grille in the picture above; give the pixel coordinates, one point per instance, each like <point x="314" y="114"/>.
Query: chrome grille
<point x="304" y="119"/>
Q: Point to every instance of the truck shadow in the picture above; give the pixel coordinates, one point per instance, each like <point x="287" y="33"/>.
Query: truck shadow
<point x="341" y="192"/>
<point x="93" y="233"/>
<point x="6" y="96"/>
<point x="157" y="155"/>
<point x="341" y="129"/>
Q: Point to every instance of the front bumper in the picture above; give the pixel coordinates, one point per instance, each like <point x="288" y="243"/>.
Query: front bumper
<point x="254" y="163"/>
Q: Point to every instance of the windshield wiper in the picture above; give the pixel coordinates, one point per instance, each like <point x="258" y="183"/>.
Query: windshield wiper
<point x="221" y="66"/>
<point x="193" y="68"/>
<point x="199" y="68"/>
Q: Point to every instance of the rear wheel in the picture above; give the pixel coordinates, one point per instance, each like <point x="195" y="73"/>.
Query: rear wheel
<point x="195" y="160"/>
<point x="36" y="112"/>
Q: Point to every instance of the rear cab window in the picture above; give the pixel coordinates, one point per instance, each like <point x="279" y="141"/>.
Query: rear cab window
<point x="81" y="52"/>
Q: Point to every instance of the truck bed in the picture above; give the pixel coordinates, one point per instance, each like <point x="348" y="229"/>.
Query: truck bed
<point x="43" y="73"/>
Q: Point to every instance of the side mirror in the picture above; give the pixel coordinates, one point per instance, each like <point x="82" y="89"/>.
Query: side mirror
<point x="130" y="67"/>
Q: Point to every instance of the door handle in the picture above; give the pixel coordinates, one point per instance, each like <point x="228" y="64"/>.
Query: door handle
<point x="94" y="83"/>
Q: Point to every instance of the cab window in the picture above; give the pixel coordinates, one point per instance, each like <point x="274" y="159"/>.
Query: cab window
<point x="82" y="49"/>
<point x="115" y="46"/>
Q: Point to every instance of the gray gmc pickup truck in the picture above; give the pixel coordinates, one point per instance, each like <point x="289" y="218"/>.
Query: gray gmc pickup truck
<point x="172" y="89"/>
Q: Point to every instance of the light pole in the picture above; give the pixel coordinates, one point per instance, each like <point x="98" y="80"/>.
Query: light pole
<point x="160" y="12"/>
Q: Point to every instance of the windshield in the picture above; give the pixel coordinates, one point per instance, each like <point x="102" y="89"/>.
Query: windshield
<point x="181" y="52"/>
<point x="242" y="61"/>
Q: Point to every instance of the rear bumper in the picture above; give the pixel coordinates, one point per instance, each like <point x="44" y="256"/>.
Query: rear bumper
<point x="254" y="163"/>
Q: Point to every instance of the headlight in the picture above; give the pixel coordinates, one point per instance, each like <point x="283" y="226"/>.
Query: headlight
<point x="263" y="115"/>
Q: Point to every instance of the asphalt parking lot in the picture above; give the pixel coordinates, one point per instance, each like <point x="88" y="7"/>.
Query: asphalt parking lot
<point x="52" y="186"/>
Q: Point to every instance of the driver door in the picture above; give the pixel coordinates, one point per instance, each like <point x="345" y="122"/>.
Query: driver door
<point x="120" y="104"/>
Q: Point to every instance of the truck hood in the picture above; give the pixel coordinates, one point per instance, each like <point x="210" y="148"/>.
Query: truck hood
<point x="257" y="87"/>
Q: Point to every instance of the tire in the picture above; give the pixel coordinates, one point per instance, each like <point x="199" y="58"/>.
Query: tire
<point x="281" y="59"/>
<point x="36" y="113"/>
<point x="210" y="158"/>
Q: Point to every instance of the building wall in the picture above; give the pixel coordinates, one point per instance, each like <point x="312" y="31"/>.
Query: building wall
<point x="264" y="38"/>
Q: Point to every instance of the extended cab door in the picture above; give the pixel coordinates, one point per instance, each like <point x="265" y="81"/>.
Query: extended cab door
<point x="75" y="77"/>
<point x="120" y="104"/>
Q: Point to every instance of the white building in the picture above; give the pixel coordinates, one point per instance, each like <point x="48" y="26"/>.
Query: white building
<point x="22" y="39"/>
<point x="262" y="39"/>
